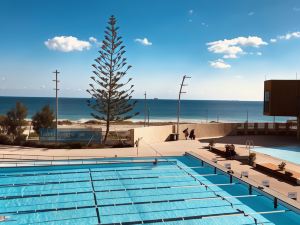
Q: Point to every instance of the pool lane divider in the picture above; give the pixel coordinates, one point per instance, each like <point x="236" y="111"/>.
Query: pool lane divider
<point x="113" y="198"/>
<point x="97" y="171"/>
<point x="110" y="190"/>
<point x="216" y="215"/>
<point x="99" y="180"/>
<point x="125" y="204"/>
<point x="36" y="163"/>
<point x="95" y="197"/>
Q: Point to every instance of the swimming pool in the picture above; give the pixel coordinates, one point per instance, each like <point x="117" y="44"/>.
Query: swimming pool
<point x="288" y="153"/>
<point x="176" y="190"/>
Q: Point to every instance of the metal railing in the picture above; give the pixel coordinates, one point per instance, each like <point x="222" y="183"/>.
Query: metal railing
<point x="44" y="157"/>
<point x="20" y="161"/>
<point x="249" y="145"/>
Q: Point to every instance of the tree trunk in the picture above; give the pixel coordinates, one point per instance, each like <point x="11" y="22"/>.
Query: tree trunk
<point x="107" y="131"/>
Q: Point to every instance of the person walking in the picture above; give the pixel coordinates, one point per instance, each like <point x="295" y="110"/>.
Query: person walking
<point x="186" y="133"/>
<point x="192" y="134"/>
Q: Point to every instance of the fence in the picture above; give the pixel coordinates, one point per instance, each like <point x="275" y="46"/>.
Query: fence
<point x="266" y="128"/>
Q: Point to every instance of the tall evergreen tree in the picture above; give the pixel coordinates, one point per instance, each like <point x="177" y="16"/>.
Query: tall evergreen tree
<point x="111" y="97"/>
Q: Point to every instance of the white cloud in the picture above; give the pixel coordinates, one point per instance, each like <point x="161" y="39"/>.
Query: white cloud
<point x="251" y="13"/>
<point x="238" y="77"/>
<point x="93" y="40"/>
<point x="190" y="20"/>
<point x="143" y="41"/>
<point x="3" y="78"/>
<point x="43" y="86"/>
<point x="288" y="36"/>
<point x="254" y="53"/>
<point x="191" y="11"/>
<point x="233" y="47"/>
<point x="67" y="44"/>
<point x="219" y="64"/>
<point x="273" y="40"/>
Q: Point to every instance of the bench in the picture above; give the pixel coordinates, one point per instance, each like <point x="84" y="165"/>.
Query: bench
<point x="222" y="152"/>
<point x="273" y="170"/>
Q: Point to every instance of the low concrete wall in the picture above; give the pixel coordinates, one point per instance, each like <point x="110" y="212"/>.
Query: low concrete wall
<point x="152" y="134"/>
<point x="206" y="130"/>
<point x="155" y="134"/>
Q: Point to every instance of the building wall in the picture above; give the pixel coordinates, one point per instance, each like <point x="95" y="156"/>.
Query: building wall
<point x="152" y="134"/>
<point x="207" y="130"/>
<point x="283" y="98"/>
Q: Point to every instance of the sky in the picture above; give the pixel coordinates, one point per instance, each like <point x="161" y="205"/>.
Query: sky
<point x="228" y="47"/>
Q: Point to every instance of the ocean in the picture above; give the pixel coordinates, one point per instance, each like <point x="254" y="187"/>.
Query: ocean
<point x="76" y="109"/>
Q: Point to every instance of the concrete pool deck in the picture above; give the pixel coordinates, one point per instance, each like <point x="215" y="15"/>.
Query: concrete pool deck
<point x="173" y="149"/>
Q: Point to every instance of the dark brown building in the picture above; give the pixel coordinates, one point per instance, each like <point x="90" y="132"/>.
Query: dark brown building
<point x="282" y="98"/>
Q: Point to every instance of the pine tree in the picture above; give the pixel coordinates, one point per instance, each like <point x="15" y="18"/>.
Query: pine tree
<point x="111" y="97"/>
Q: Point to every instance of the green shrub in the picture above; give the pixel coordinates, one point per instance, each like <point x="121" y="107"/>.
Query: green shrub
<point x="5" y="140"/>
<point x="20" y="139"/>
<point x="43" y="119"/>
<point x="93" y="122"/>
<point x="252" y="158"/>
<point x="3" y="127"/>
<point x="65" y="122"/>
<point x="282" y="165"/>
<point x="74" y="145"/>
<point x="33" y="135"/>
<point x="15" y="120"/>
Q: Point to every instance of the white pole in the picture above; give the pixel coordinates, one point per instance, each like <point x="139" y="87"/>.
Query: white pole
<point x="178" y="106"/>
<point x="56" y="96"/>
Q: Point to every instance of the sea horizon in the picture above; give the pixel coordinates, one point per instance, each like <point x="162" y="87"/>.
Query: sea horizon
<point x="161" y="110"/>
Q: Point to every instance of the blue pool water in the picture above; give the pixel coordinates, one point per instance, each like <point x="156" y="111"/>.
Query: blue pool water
<point x="286" y="153"/>
<point x="178" y="190"/>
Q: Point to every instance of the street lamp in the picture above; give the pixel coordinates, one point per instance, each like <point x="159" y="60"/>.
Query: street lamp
<point x="178" y="106"/>
<point x="56" y="96"/>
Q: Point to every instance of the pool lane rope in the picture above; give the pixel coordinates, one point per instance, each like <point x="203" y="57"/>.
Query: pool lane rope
<point x="206" y="186"/>
<point x="95" y="197"/>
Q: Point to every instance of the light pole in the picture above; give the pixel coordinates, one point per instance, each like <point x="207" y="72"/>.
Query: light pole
<point x="178" y="106"/>
<point x="56" y="96"/>
<point x="148" y="111"/>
